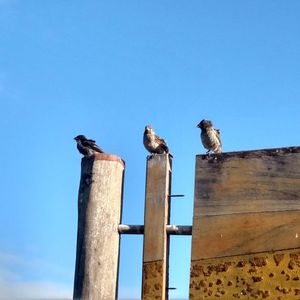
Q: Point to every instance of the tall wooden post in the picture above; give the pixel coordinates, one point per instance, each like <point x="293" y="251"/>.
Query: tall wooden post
<point x="155" y="260"/>
<point x="99" y="214"/>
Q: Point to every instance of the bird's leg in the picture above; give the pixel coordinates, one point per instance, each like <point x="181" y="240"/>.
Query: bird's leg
<point x="208" y="153"/>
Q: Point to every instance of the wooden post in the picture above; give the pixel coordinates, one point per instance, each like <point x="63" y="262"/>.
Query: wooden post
<point x="246" y="225"/>
<point x="156" y="241"/>
<point x="99" y="214"/>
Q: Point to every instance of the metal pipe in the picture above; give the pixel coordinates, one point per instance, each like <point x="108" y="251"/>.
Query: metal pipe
<point x="171" y="229"/>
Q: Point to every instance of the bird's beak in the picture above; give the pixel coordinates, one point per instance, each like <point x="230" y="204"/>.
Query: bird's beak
<point x="198" y="126"/>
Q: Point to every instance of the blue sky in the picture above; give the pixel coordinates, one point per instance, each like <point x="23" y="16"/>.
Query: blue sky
<point x="106" y="69"/>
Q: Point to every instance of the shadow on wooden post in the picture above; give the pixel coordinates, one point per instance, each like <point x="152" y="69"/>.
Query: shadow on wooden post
<point x="156" y="240"/>
<point x="99" y="214"/>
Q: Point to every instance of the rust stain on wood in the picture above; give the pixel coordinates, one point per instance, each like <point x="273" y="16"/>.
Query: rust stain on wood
<point x="153" y="280"/>
<point x="269" y="275"/>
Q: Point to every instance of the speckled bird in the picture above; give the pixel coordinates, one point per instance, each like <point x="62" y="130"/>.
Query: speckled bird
<point x="87" y="147"/>
<point x="153" y="143"/>
<point x="210" y="137"/>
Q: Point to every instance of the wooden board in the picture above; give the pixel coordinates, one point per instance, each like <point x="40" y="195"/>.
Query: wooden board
<point x="155" y="259"/>
<point x="225" y="235"/>
<point x="246" y="202"/>
<point x="249" y="181"/>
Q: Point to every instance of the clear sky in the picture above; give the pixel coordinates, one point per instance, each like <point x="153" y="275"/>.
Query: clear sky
<point x="106" y="69"/>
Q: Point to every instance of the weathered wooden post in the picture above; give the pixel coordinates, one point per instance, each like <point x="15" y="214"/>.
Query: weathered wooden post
<point x="99" y="214"/>
<point x="246" y="226"/>
<point x="156" y="241"/>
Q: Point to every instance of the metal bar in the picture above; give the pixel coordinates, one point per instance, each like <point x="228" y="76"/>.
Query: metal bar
<point x="131" y="229"/>
<point x="171" y="229"/>
<point x="173" y="196"/>
<point x="179" y="229"/>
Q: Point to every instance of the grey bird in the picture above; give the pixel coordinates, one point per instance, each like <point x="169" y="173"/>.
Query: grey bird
<point x="153" y="143"/>
<point x="210" y="137"/>
<point x="87" y="147"/>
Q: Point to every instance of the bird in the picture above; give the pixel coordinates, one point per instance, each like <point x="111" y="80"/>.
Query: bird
<point x="153" y="143"/>
<point x="87" y="147"/>
<point x="210" y="137"/>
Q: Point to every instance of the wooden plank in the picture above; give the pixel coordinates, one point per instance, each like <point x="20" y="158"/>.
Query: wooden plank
<point x="249" y="181"/>
<point x="226" y="235"/>
<point x="245" y="203"/>
<point x="155" y="259"/>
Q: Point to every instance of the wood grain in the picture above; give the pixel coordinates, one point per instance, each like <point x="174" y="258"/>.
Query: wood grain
<point x="227" y="235"/>
<point x="98" y="240"/>
<point x="155" y="235"/>
<point x="254" y="181"/>
<point x="246" y="202"/>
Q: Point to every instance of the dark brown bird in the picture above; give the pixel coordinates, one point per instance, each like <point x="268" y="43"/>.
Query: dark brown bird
<point x="210" y="137"/>
<point x="153" y="143"/>
<point x="87" y="147"/>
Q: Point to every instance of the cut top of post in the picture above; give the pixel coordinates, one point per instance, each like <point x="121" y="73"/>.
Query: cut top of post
<point x="105" y="156"/>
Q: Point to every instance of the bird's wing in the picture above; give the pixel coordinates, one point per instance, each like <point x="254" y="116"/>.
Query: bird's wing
<point x="92" y="145"/>
<point x="218" y="135"/>
<point x="162" y="143"/>
<point x="92" y="141"/>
